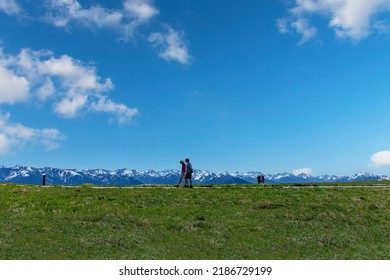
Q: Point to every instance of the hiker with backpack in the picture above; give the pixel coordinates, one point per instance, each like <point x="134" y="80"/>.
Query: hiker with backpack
<point x="189" y="173"/>
<point x="183" y="173"/>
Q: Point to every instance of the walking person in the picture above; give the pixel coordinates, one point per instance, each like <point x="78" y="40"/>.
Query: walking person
<point x="189" y="173"/>
<point x="182" y="173"/>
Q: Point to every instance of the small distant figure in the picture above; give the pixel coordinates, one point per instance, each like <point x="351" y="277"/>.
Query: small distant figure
<point x="189" y="173"/>
<point x="183" y="173"/>
<point x="258" y="179"/>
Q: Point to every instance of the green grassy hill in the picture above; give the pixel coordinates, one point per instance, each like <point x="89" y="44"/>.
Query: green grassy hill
<point x="226" y="222"/>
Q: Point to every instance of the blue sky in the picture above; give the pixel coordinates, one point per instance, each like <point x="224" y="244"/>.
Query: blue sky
<point x="268" y="86"/>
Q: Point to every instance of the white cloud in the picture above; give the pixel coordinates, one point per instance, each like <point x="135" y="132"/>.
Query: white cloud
<point x="381" y="158"/>
<point x="352" y="19"/>
<point x="9" y="7"/>
<point x="304" y="170"/>
<point x="136" y="13"/>
<point x="171" y="45"/>
<point x="4" y="144"/>
<point x="14" y="135"/>
<point x="140" y="10"/>
<point x="46" y="90"/>
<point x="69" y="106"/>
<point x="71" y="85"/>
<point x="74" y="74"/>
<point x="302" y="26"/>
<point x="126" y="21"/>
<point x="64" y="13"/>
<point x="13" y="88"/>
<point x="123" y="113"/>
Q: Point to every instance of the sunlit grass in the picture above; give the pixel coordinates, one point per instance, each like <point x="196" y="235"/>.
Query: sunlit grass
<point x="228" y="222"/>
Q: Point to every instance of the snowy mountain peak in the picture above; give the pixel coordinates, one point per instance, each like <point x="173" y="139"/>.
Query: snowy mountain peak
<point x="124" y="176"/>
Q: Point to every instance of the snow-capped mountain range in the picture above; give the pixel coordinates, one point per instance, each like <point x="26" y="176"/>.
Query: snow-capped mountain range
<point x="127" y="177"/>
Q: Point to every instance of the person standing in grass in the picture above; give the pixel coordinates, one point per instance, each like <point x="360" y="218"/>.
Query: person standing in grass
<point x="183" y="173"/>
<point x="189" y="172"/>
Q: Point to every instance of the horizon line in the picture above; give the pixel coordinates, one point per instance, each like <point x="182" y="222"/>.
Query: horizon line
<point x="173" y="169"/>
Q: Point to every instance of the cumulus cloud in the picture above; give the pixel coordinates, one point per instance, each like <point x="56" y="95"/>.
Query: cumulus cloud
<point x="46" y="90"/>
<point x="10" y="7"/>
<point x="126" y="21"/>
<point x="134" y="13"/>
<point x="123" y="113"/>
<point x="381" y="158"/>
<point x="13" y="135"/>
<point x="72" y="86"/>
<point x="13" y="88"/>
<point x="62" y="13"/>
<point x="140" y="10"/>
<point x="171" y="45"/>
<point x="351" y="19"/>
<point x="71" y="104"/>
<point x="304" y="170"/>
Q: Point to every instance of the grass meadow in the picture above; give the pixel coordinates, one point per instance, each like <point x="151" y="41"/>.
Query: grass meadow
<point x="212" y="223"/>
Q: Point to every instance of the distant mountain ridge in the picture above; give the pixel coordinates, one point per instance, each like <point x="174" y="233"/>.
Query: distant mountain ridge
<point x="129" y="177"/>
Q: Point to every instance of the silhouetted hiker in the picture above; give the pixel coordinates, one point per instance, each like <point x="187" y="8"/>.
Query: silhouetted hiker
<point x="262" y="179"/>
<point x="258" y="179"/>
<point x="183" y="172"/>
<point x="189" y="173"/>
